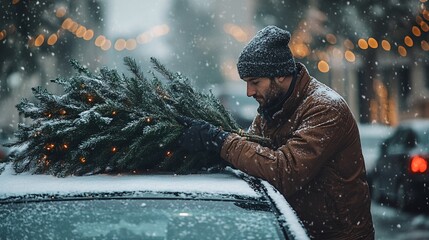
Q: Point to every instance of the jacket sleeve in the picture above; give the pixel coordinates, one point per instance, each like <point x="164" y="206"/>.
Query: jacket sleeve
<point x="294" y="164"/>
<point x="254" y="127"/>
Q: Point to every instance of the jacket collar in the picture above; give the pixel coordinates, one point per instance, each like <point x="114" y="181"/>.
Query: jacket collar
<point x="268" y="112"/>
<point x="289" y="103"/>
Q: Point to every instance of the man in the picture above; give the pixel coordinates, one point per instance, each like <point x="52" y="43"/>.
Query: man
<point x="316" y="161"/>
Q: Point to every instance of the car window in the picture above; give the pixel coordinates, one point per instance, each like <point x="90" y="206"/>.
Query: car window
<point x="401" y="141"/>
<point x="139" y="219"/>
<point x="423" y="137"/>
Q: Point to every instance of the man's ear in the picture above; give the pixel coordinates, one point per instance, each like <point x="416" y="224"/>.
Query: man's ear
<point x="279" y="80"/>
<point x="284" y="81"/>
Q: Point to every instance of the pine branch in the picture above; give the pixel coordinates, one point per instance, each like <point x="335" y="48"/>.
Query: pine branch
<point x="161" y="69"/>
<point x="80" y="68"/>
<point x="110" y="122"/>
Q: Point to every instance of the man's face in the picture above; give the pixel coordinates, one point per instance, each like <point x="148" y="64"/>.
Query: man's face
<point x="264" y="90"/>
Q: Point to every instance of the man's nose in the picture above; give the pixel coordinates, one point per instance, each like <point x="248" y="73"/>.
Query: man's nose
<point x="250" y="90"/>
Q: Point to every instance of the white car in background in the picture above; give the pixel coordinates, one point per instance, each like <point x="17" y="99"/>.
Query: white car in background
<point x="223" y="205"/>
<point x="372" y="136"/>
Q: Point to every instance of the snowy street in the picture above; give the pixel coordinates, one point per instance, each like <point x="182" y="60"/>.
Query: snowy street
<point x="393" y="224"/>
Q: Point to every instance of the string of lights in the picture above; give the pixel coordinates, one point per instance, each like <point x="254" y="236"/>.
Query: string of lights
<point x="300" y="43"/>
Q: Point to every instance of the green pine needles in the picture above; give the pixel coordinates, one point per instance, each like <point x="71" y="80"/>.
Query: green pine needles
<point x="110" y="122"/>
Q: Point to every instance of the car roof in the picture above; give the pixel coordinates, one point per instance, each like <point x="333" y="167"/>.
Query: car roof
<point x="229" y="183"/>
<point x="375" y="130"/>
<point x="213" y="183"/>
<point x="416" y="124"/>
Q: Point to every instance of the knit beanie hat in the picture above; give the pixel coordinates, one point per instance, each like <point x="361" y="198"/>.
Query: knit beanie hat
<point x="267" y="55"/>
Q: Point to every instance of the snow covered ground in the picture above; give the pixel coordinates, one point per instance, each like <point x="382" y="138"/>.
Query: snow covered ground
<point x="393" y="224"/>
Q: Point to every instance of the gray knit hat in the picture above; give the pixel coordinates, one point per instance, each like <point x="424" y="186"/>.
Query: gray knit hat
<point x="267" y="55"/>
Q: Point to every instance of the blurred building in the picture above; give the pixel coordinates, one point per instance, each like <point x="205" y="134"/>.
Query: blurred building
<point x="375" y="55"/>
<point x="37" y="40"/>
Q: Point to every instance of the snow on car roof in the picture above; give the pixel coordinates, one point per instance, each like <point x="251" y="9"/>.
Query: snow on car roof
<point x="292" y="222"/>
<point x="13" y="184"/>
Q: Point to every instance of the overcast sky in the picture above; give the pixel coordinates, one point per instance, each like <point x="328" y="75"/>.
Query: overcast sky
<point x="127" y="17"/>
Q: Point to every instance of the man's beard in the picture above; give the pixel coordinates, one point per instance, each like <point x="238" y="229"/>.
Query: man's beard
<point x="274" y="94"/>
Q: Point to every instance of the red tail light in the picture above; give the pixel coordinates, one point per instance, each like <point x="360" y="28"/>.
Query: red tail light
<point x="418" y="164"/>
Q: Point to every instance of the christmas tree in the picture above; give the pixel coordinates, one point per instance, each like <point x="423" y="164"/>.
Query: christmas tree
<point x="110" y="122"/>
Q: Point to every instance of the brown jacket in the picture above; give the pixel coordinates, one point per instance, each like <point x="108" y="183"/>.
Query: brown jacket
<point x="316" y="163"/>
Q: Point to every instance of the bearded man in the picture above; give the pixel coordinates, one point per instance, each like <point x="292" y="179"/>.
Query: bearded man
<point x="316" y="160"/>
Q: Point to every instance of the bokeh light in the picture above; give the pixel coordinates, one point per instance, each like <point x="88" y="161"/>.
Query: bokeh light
<point x="99" y="41"/>
<point x="408" y="41"/>
<point x="349" y="44"/>
<point x="372" y="43"/>
<point x="416" y="31"/>
<point x="131" y="44"/>
<point x="350" y="56"/>
<point x="425" y="45"/>
<point x="120" y="44"/>
<point x="385" y="45"/>
<point x="52" y="39"/>
<point x="363" y="44"/>
<point x="39" y="40"/>
<point x="60" y="12"/>
<point x="331" y="38"/>
<point x="323" y="66"/>
<point x="402" y="51"/>
<point x="88" y="34"/>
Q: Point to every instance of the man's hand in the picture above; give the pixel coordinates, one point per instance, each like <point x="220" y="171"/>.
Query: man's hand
<point x="201" y="136"/>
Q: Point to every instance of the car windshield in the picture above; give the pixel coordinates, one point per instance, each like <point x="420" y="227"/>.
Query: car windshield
<point x="139" y="219"/>
<point x="423" y="137"/>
